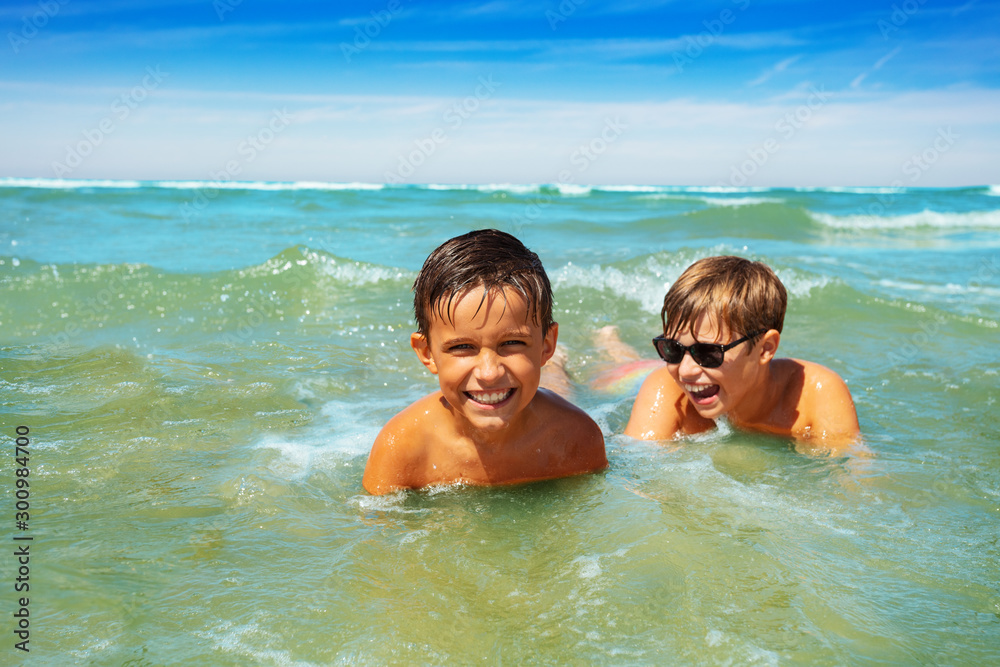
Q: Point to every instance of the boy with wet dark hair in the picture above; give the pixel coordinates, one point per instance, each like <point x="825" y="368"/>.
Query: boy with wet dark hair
<point x="722" y="321"/>
<point x="483" y="305"/>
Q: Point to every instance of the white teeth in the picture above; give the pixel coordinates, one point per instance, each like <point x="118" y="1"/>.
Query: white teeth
<point x="694" y="388"/>
<point x="490" y="397"/>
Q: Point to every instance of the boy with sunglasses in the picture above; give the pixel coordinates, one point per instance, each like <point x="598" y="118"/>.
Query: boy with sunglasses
<point x="722" y="322"/>
<point x="483" y="305"/>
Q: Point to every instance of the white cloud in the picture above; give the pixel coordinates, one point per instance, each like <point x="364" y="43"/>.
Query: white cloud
<point x="849" y="139"/>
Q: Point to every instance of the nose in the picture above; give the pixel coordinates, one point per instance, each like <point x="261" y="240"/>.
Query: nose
<point x="489" y="369"/>
<point x="687" y="368"/>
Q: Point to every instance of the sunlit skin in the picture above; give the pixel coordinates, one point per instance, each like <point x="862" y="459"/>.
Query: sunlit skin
<point x="754" y="390"/>
<point x="490" y="423"/>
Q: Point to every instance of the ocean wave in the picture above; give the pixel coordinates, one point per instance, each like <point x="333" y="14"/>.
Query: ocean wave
<point x="354" y="273"/>
<point x="628" y="188"/>
<point x="973" y="288"/>
<point x="926" y="218"/>
<point x="994" y="191"/>
<point x="66" y="183"/>
<point x="733" y="202"/>
<point x="267" y="186"/>
<point x="513" y="188"/>
<point x="855" y="190"/>
<point x="647" y="280"/>
<point x="740" y="201"/>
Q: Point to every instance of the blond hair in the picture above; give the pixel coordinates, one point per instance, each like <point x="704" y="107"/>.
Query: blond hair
<point x="738" y="294"/>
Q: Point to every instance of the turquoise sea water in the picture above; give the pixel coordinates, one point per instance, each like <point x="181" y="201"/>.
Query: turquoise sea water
<point x="203" y="371"/>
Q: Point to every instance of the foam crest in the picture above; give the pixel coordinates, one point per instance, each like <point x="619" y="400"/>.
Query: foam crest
<point x="265" y="186"/>
<point x="736" y="202"/>
<point x="858" y="190"/>
<point x="354" y="273"/>
<point x="66" y="183"/>
<point x="513" y="188"/>
<point x="647" y="282"/>
<point x="645" y="286"/>
<point x="269" y="186"/>
<point x="948" y="289"/>
<point x="571" y="190"/>
<point x="924" y="219"/>
<point x="801" y="285"/>
<point x="628" y="188"/>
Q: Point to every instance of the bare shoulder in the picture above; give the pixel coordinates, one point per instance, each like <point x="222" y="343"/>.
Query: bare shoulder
<point x="569" y="425"/>
<point x="657" y="413"/>
<point x="400" y="448"/>
<point x="826" y="405"/>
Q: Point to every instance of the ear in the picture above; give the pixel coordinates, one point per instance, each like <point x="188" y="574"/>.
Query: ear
<point x="768" y="346"/>
<point x="422" y="347"/>
<point x="549" y="342"/>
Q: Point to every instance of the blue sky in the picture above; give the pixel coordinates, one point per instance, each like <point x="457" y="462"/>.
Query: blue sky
<point x="733" y="92"/>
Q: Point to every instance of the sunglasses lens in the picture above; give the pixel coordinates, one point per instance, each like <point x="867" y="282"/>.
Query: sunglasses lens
<point x="707" y="355"/>
<point x="670" y="350"/>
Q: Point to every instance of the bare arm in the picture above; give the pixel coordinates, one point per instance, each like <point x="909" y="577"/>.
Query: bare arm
<point x="833" y="423"/>
<point x="655" y="414"/>
<point x="392" y="461"/>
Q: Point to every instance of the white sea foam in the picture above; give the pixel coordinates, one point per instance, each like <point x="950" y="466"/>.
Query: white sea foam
<point x="860" y="190"/>
<point x="740" y="201"/>
<point x="571" y="190"/>
<point x="647" y="283"/>
<point x="994" y="191"/>
<point x="629" y="188"/>
<point x="925" y="218"/>
<point x="513" y="188"/>
<point x="354" y="273"/>
<point x="947" y="289"/>
<point x="347" y="432"/>
<point x="66" y="183"/>
<point x="646" y="286"/>
<point x="267" y="186"/>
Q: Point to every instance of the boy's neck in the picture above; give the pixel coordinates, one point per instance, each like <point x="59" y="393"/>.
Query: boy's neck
<point x="762" y="398"/>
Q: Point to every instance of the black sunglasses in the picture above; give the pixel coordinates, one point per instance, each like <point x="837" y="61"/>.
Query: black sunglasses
<point x="706" y="355"/>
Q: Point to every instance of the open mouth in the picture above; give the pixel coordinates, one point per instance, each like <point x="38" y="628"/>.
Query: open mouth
<point x="701" y="393"/>
<point x="490" y="398"/>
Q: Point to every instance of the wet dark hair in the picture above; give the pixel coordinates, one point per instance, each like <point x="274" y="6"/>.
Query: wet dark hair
<point x="486" y="258"/>
<point x="742" y="295"/>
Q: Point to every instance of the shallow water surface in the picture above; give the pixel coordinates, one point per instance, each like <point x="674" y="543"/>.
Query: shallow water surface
<point x="202" y="392"/>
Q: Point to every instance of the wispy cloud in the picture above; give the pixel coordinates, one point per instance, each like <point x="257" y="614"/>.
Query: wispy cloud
<point x="859" y="79"/>
<point x="776" y="69"/>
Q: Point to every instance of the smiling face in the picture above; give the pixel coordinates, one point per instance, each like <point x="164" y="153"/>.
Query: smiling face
<point x="717" y="391"/>
<point x="488" y="357"/>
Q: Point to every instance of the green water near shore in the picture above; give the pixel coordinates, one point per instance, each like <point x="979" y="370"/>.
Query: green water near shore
<point x="198" y="434"/>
